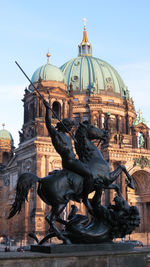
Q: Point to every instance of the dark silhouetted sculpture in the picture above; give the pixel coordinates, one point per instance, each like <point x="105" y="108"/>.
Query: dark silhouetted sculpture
<point x="60" y="186"/>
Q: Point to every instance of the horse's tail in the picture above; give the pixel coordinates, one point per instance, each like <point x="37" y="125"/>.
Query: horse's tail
<point x="24" y="183"/>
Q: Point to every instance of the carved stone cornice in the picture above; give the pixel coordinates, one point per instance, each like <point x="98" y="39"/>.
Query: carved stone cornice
<point x="44" y="148"/>
<point x="142" y="162"/>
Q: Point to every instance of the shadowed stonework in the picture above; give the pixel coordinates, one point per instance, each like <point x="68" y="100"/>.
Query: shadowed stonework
<point x="99" y="258"/>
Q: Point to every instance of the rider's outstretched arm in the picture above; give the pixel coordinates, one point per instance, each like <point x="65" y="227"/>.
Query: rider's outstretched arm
<point x="51" y="129"/>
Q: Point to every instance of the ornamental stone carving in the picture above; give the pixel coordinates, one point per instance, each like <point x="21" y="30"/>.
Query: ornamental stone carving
<point x="27" y="165"/>
<point x="142" y="162"/>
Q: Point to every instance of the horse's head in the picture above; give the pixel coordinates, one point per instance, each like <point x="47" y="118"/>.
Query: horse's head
<point x="84" y="134"/>
<point x="93" y="132"/>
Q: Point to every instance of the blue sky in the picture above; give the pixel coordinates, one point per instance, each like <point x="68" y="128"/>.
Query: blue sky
<point x="118" y="31"/>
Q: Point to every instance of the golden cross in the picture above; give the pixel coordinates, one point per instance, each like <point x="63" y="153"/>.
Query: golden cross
<point x="84" y="22"/>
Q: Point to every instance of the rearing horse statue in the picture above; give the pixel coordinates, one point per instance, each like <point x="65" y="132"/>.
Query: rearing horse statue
<point x="92" y="156"/>
<point x="60" y="186"/>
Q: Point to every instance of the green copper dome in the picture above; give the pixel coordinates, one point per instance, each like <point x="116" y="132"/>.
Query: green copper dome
<point x="48" y="72"/>
<point x="90" y="74"/>
<point x="5" y="135"/>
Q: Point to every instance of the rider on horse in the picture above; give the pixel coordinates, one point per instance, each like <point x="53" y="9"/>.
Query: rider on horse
<point x="63" y="145"/>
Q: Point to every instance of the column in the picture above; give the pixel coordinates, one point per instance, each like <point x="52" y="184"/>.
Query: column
<point x="119" y="124"/>
<point x="145" y="219"/>
<point x="46" y="165"/>
<point x="123" y="185"/>
<point x="91" y="117"/>
<point x="111" y="192"/>
<point x="70" y="109"/>
<point x="39" y="214"/>
<point x="100" y="119"/>
<point x="127" y="124"/>
<point x="81" y="116"/>
<point x="63" y="113"/>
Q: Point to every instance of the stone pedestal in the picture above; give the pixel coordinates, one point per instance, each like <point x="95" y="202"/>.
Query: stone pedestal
<point x="75" y="248"/>
<point x="113" y="258"/>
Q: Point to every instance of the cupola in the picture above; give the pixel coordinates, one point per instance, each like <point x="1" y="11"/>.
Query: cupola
<point x="85" y="48"/>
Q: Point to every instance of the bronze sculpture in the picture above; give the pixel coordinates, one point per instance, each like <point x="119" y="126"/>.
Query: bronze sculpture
<point x="79" y="177"/>
<point x="63" y="145"/>
<point x="60" y="186"/>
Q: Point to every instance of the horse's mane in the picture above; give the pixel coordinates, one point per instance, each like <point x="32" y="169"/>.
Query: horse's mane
<point x="82" y="146"/>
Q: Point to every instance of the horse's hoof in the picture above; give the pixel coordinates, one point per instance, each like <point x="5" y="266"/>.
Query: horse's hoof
<point x="131" y="185"/>
<point x="33" y="235"/>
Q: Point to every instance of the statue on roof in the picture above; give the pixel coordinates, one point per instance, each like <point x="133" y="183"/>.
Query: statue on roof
<point x="139" y="119"/>
<point x="141" y="140"/>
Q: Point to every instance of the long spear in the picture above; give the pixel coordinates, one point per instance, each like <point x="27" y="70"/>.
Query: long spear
<point x="71" y="135"/>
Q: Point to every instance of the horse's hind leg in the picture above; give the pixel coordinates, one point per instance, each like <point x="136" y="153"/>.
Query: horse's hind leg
<point x="51" y="218"/>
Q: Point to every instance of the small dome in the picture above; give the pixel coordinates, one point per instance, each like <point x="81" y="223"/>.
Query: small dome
<point x="48" y="72"/>
<point x="5" y="135"/>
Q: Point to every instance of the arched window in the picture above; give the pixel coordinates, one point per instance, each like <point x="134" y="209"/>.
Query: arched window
<point x="83" y="49"/>
<point x="57" y="109"/>
<point x="5" y="158"/>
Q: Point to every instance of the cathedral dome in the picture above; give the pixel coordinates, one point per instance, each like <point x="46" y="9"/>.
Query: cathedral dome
<point x="90" y="74"/>
<point x="48" y="72"/>
<point x="5" y="135"/>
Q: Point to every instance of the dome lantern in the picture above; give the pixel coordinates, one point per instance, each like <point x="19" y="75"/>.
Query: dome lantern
<point x="85" y="48"/>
